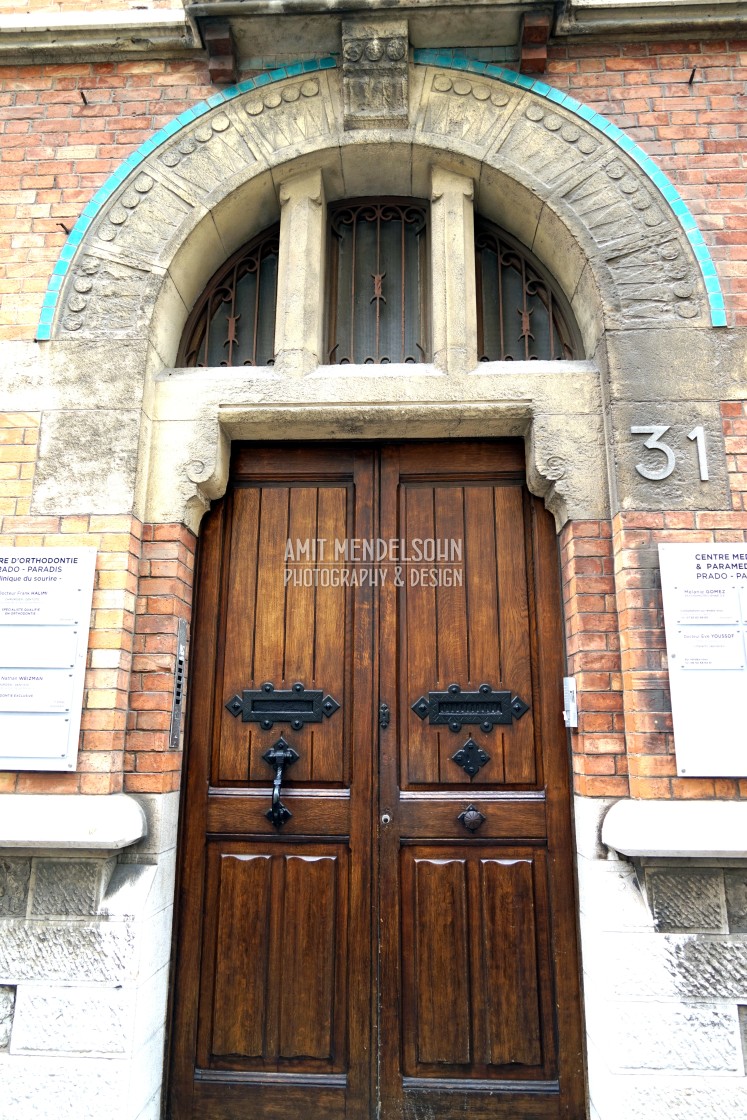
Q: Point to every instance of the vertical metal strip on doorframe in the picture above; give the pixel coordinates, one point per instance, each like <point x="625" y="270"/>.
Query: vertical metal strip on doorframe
<point x="177" y="705"/>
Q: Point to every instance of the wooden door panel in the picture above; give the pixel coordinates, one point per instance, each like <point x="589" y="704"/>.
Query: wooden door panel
<point x="476" y="974"/>
<point x="282" y="986"/>
<point x="473" y="632"/>
<point x="275" y="996"/>
<point x="242" y="955"/>
<point x="280" y="630"/>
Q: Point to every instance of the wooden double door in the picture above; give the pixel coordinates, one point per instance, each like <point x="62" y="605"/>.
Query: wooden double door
<point x="376" y="901"/>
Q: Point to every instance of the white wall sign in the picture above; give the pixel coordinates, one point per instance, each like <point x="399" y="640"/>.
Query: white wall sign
<point x="704" y="588"/>
<point x="45" y="610"/>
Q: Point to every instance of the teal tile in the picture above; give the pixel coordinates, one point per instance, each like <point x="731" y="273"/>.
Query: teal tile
<point x="328" y="63"/>
<point x="295" y="69"/>
<point x="278" y="75"/>
<point x="541" y="89"/>
<point x="556" y="96"/>
<point x="43" y="333"/>
<point x="718" y="318"/>
<point x="712" y="285"/>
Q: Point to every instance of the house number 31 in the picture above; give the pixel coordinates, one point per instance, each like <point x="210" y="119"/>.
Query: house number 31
<point x="655" y="443"/>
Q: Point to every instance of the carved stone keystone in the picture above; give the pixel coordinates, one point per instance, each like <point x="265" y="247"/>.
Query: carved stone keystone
<point x="374" y="73"/>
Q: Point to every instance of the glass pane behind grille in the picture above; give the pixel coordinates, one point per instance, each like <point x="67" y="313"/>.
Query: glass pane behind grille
<point x="378" y="278"/>
<point x="518" y="311"/>
<point x="233" y="323"/>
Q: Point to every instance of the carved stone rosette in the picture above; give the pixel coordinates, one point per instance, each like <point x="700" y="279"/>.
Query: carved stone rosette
<point x="374" y="73"/>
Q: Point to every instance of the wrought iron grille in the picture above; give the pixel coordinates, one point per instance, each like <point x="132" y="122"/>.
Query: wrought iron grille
<point x="519" y="312"/>
<point x="233" y="322"/>
<point x="378" y="281"/>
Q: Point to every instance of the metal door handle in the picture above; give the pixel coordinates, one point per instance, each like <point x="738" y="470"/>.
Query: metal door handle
<point x="279" y="756"/>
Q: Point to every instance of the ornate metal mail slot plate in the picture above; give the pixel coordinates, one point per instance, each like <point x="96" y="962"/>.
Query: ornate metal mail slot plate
<point x="455" y="708"/>
<point x="296" y="706"/>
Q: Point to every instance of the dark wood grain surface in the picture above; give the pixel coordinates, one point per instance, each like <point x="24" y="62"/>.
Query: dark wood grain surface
<point x="374" y="953"/>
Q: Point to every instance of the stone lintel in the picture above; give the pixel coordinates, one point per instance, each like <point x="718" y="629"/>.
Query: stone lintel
<point x="677" y="829"/>
<point x="60" y="821"/>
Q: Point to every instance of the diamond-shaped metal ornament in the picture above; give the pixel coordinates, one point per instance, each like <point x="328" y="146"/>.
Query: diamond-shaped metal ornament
<point x="329" y="706"/>
<point x="471" y="758"/>
<point x="235" y="706"/>
<point x="518" y="707"/>
<point x="420" y="707"/>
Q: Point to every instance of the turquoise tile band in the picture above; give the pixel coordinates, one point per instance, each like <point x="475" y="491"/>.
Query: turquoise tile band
<point x="453" y="60"/>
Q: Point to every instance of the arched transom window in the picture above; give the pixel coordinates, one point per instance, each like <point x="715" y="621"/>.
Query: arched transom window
<point x="233" y="322"/>
<point x="378" y="300"/>
<point x="521" y="315"/>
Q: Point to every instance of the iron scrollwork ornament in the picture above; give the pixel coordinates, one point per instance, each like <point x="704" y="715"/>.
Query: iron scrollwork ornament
<point x="455" y="708"/>
<point x="268" y="705"/>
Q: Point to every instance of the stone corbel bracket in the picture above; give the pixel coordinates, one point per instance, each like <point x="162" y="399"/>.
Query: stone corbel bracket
<point x="208" y="473"/>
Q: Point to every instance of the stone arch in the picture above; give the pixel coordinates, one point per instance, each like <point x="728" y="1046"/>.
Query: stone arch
<point x="581" y="196"/>
<point x="582" y="199"/>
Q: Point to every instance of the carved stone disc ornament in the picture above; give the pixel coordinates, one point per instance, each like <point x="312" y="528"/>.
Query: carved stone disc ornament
<point x="374" y="73"/>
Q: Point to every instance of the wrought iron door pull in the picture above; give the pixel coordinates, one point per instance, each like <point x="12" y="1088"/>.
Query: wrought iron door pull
<point x="280" y="756"/>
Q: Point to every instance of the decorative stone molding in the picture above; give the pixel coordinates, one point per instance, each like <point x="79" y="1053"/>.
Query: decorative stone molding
<point x="555" y="406"/>
<point x="677" y="829"/>
<point x="54" y="36"/>
<point x="618" y="217"/>
<point x="375" y="73"/>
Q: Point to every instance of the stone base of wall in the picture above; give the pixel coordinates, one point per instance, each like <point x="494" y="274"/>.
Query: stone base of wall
<point x="665" y="981"/>
<point x="84" y="962"/>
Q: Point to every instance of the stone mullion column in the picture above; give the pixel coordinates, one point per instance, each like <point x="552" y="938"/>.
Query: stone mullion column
<point x="453" y="290"/>
<point x="299" y="328"/>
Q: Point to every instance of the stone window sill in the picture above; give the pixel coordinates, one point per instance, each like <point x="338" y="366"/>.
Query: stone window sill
<point x="91" y="822"/>
<point x="677" y="829"/>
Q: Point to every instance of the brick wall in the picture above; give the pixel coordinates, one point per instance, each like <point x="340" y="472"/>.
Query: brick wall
<point x="143" y="585"/>
<point x="684" y="102"/>
<point x="593" y="650"/>
<point x="55" y="151"/>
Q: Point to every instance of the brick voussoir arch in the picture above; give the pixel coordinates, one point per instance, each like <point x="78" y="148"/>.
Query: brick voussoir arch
<point x="606" y="221"/>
